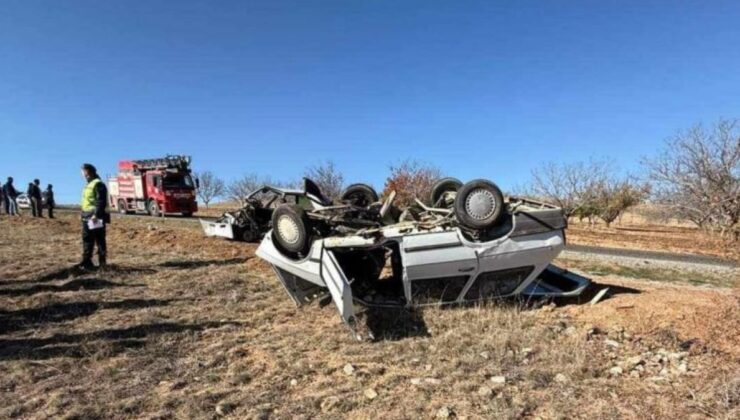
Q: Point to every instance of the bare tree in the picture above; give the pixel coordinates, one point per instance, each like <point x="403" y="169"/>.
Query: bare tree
<point x="239" y="188"/>
<point x="612" y="197"/>
<point x="569" y="185"/>
<point x="698" y="175"/>
<point x="209" y="186"/>
<point x="329" y="179"/>
<point x="411" y="179"/>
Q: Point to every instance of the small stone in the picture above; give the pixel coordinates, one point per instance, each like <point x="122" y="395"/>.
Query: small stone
<point x="485" y="391"/>
<point x="683" y="368"/>
<point x="611" y="343"/>
<point x="570" y="330"/>
<point x="560" y="378"/>
<point x="677" y="357"/>
<point x="485" y="355"/>
<point x="349" y="369"/>
<point x="428" y="367"/>
<point x="293" y="382"/>
<point x="615" y="371"/>
<point x="432" y="381"/>
<point x="635" y="361"/>
<point x="416" y="381"/>
<point x="444" y="413"/>
<point x="527" y="351"/>
<point x="223" y="409"/>
<point x="657" y="379"/>
<point x="663" y="372"/>
<point x="498" y="380"/>
<point x="370" y="394"/>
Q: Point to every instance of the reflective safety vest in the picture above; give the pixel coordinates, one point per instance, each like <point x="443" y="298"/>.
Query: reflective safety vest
<point x="89" y="197"/>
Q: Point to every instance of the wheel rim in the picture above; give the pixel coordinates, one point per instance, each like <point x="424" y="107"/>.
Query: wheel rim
<point x="288" y="229"/>
<point x="154" y="208"/>
<point x="480" y="204"/>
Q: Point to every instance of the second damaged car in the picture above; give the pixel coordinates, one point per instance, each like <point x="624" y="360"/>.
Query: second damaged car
<point x="470" y="245"/>
<point x="358" y="207"/>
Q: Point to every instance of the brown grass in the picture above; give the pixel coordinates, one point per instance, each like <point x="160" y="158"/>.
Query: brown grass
<point x="187" y="327"/>
<point x="641" y="229"/>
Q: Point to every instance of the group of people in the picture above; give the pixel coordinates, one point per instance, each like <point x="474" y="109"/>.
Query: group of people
<point x="95" y="211"/>
<point x="38" y="199"/>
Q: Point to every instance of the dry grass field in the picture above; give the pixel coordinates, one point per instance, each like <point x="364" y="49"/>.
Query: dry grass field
<point x="182" y="326"/>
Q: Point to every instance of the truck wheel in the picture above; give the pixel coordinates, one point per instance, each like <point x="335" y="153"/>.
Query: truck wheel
<point x="122" y="209"/>
<point x="290" y="229"/>
<point x="153" y="208"/>
<point x="443" y="186"/>
<point x="361" y="195"/>
<point x="479" y="204"/>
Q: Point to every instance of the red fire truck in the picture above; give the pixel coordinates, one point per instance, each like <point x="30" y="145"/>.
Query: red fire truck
<point x="154" y="186"/>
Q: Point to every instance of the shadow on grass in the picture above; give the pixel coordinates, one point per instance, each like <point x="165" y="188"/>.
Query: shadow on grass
<point x="102" y="343"/>
<point x="22" y="319"/>
<point x="185" y="264"/>
<point x="74" y="271"/>
<point x="70" y="286"/>
<point x="392" y="324"/>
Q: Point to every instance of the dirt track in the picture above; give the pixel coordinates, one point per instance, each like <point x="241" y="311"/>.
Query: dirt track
<point x="189" y="327"/>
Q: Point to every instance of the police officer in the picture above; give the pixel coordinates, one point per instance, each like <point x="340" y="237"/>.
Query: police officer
<point x="95" y="216"/>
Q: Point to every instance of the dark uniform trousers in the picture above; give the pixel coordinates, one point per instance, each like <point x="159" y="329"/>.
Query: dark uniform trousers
<point x="91" y="238"/>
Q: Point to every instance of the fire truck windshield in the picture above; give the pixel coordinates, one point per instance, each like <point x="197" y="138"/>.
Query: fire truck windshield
<point x="178" y="181"/>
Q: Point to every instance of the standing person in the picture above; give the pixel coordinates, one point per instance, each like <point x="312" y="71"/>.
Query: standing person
<point x="95" y="216"/>
<point x="2" y="199"/>
<point x="49" y="195"/>
<point x="34" y="194"/>
<point x="10" y="194"/>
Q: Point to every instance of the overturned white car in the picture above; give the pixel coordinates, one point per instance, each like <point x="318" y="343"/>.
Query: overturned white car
<point x="471" y="245"/>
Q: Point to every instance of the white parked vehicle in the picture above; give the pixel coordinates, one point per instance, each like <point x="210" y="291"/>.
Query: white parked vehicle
<point x="23" y="201"/>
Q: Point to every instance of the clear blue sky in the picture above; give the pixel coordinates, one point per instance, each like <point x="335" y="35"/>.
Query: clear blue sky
<point x="481" y="89"/>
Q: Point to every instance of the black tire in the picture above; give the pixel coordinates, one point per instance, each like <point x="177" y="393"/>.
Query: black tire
<point x="361" y="195"/>
<point x="249" y="235"/>
<point x="479" y="204"/>
<point x="442" y="186"/>
<point x="153" y="208"/>
<point x="122" y="209"/>
<point x="290" y="229"/>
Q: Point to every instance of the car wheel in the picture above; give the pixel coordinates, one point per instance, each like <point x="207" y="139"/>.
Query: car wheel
<point x="290" y="229"/>
<point x="361" y="195"/>
<point x="443" y="186"/>
<point x="479" y="204"/>
<point x="249" y="235"/>
<point x="153" y="208"/>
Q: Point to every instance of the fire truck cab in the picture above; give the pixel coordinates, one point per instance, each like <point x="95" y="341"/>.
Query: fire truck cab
<point x="154" y="186"/>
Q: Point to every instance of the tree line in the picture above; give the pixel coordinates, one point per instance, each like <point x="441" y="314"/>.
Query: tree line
<point x="695" y="177"/>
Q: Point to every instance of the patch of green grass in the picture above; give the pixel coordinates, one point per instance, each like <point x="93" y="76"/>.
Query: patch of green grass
<point x="650" y="273"/>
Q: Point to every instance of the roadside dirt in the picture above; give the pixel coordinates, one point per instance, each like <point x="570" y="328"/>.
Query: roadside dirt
<point x="183" y="326"/>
